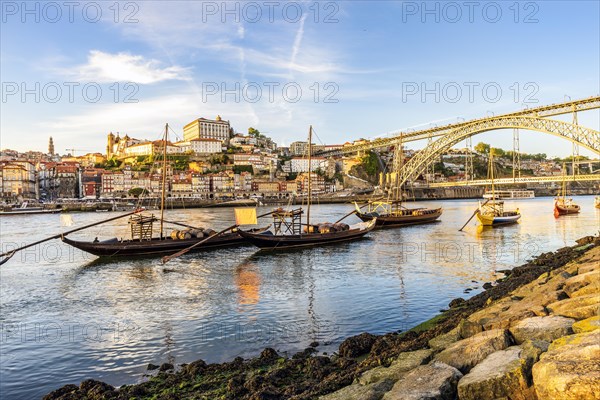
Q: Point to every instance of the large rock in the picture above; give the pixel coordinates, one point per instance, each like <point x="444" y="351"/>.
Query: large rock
<point x="442" y="341"/>
<point x="587" y="325"/>
<point x="543" y="328"/>
<point x="404" y="363"/>
<point x="435" y="381"/>
<point x="357" y="345"/>
<point x="356" y="391"/>
<point x="581" y="307"/>
<point x="465" y="354"/>
<point x="524" y="302"/>
<point x="577" y="282"/>
<point x="570" y="369"/>
<point x="505" y="373"/>
<point x="592" y="288"/>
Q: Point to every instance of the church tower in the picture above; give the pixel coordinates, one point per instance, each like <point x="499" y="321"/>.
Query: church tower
<point x="51" y="146"/>
<point x="110" y="145"/>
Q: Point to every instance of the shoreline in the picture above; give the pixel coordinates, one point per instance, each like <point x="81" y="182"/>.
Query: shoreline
<point x="185" y="203"/>
<point x="366" y="366"/>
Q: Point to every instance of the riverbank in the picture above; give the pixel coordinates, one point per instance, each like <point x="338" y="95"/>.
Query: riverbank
<point x="513" y="340"/>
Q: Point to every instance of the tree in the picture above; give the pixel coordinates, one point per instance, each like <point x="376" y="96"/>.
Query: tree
<point x="136" y="192"/>
<point x="253" y="132"/>
<point x="482" y="148"/>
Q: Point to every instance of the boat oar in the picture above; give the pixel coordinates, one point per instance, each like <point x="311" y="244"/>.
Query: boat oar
<point x="11" y="253"/>
<point x="474" y="213"/>
<point x="166" y="259"/>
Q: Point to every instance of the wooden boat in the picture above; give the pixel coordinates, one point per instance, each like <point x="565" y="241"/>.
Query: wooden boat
<point x="143" y="243"/>
<point x="391" y="213"/>
<point x="157" y="246"/>
<point x="267" y="240"/>
<point x="492" y="212"/>
<point x="24" y="209"/>
<point x="289" y="232"/>
<point x="563" y="205"/>
<point x="386" y="216"/>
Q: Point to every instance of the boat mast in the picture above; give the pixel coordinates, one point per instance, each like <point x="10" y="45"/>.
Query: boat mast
<point x="309" y="179"/>
<point x="164" y="180"/>
<point x="564" y="183"/>
<point x="492" y="174"/>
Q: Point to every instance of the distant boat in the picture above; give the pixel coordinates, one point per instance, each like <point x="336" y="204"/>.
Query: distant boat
<point x="24" y="209"/>
<point x="492" y="212"/>
<point x="510" y="194"/>
<point x="563" y="205"/>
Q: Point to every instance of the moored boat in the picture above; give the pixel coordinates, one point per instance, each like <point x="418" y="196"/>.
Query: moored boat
<point x="562" y="204"/>
<point x="156" y="246"/>
<point x="289" y="231"/>
<point x="386" y="215"/>
<point x="392" y="213"/>
<point x="492" y="212"/>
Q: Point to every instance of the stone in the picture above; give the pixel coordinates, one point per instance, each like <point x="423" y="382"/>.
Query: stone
<point x="589" y="267"/>
<point x="468" y="328"/>
<point x="526" y="301"/>
<point x="404" y="363"/>
<point x="581" y="307"/>
<point x="357" y="345"/>
<point x="166" y="367"/>
<point x="505" y="373"/>
<point x="592" y="288"/>
<point x="435" y="381"/>
<point x="442" y="341"/>
<point x="579" y="281"/>
<point x="587" y="325"/>
<point x="570" y="369"/>
<point x="357" y="391"/>
<point x="465" y="354"/>
<point x="152" y="367"/>
<point x="544" y="328"/>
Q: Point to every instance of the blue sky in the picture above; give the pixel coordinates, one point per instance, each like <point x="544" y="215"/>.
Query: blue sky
<point x="365" y="69"/>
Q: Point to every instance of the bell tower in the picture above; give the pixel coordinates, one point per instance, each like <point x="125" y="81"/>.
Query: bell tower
<point x="110" y="142"/>
<point x="51" y="146"/>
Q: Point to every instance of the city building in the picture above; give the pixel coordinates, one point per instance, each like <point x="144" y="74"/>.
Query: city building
<point x="18" y="180"/>
<point x="299" y="164"/>
<point x="203" y="128"/>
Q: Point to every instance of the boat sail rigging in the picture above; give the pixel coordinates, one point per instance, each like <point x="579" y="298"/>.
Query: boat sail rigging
<point x="563" y="205"/>
<point x="392" y="213"/>
<point x="289" y="232"/>
<point x="492" y="212"/>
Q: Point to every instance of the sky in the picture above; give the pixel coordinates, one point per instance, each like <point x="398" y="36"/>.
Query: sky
<point x="352" y="69"/>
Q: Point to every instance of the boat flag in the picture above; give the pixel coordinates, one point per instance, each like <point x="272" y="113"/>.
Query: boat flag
<point x="245" y="216"/>
<point x="66" y="220"/>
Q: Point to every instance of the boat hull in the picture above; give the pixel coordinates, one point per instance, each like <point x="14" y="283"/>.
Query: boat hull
<point x="392" y="221"/>
<point x="268" y="241"/>
<point x="495" y="220"/>
<point x="561" y="209"/>
<point x="156" y="247"/>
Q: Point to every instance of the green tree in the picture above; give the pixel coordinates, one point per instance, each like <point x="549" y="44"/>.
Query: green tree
<point x="136" y="191"/>
<point x="482" y="148"/>
<point x="253" y="132"/>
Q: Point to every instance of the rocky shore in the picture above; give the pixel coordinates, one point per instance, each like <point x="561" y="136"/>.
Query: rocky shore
<point x="534" y="334"/>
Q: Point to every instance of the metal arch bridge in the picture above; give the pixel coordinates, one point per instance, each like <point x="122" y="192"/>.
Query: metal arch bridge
<point x="569" y="107"/>
<point x="449" y="135"/>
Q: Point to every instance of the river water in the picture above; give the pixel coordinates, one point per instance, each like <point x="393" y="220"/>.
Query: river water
<point x="66" y="317"/>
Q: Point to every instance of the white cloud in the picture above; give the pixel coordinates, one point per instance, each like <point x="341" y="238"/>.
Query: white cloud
<point x="123" y="67"/>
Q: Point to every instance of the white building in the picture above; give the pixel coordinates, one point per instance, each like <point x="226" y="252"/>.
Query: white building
<point x="299" y="164"/>
<point x="203" y="128"/>
<point x="201" y="146"/>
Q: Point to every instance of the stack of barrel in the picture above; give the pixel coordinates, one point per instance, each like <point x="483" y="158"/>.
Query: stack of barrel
<point x="327" y="227"/>
<point x="184" y="234"/>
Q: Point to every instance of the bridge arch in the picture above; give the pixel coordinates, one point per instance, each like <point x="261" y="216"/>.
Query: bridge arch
<point x="588" y="138"/>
